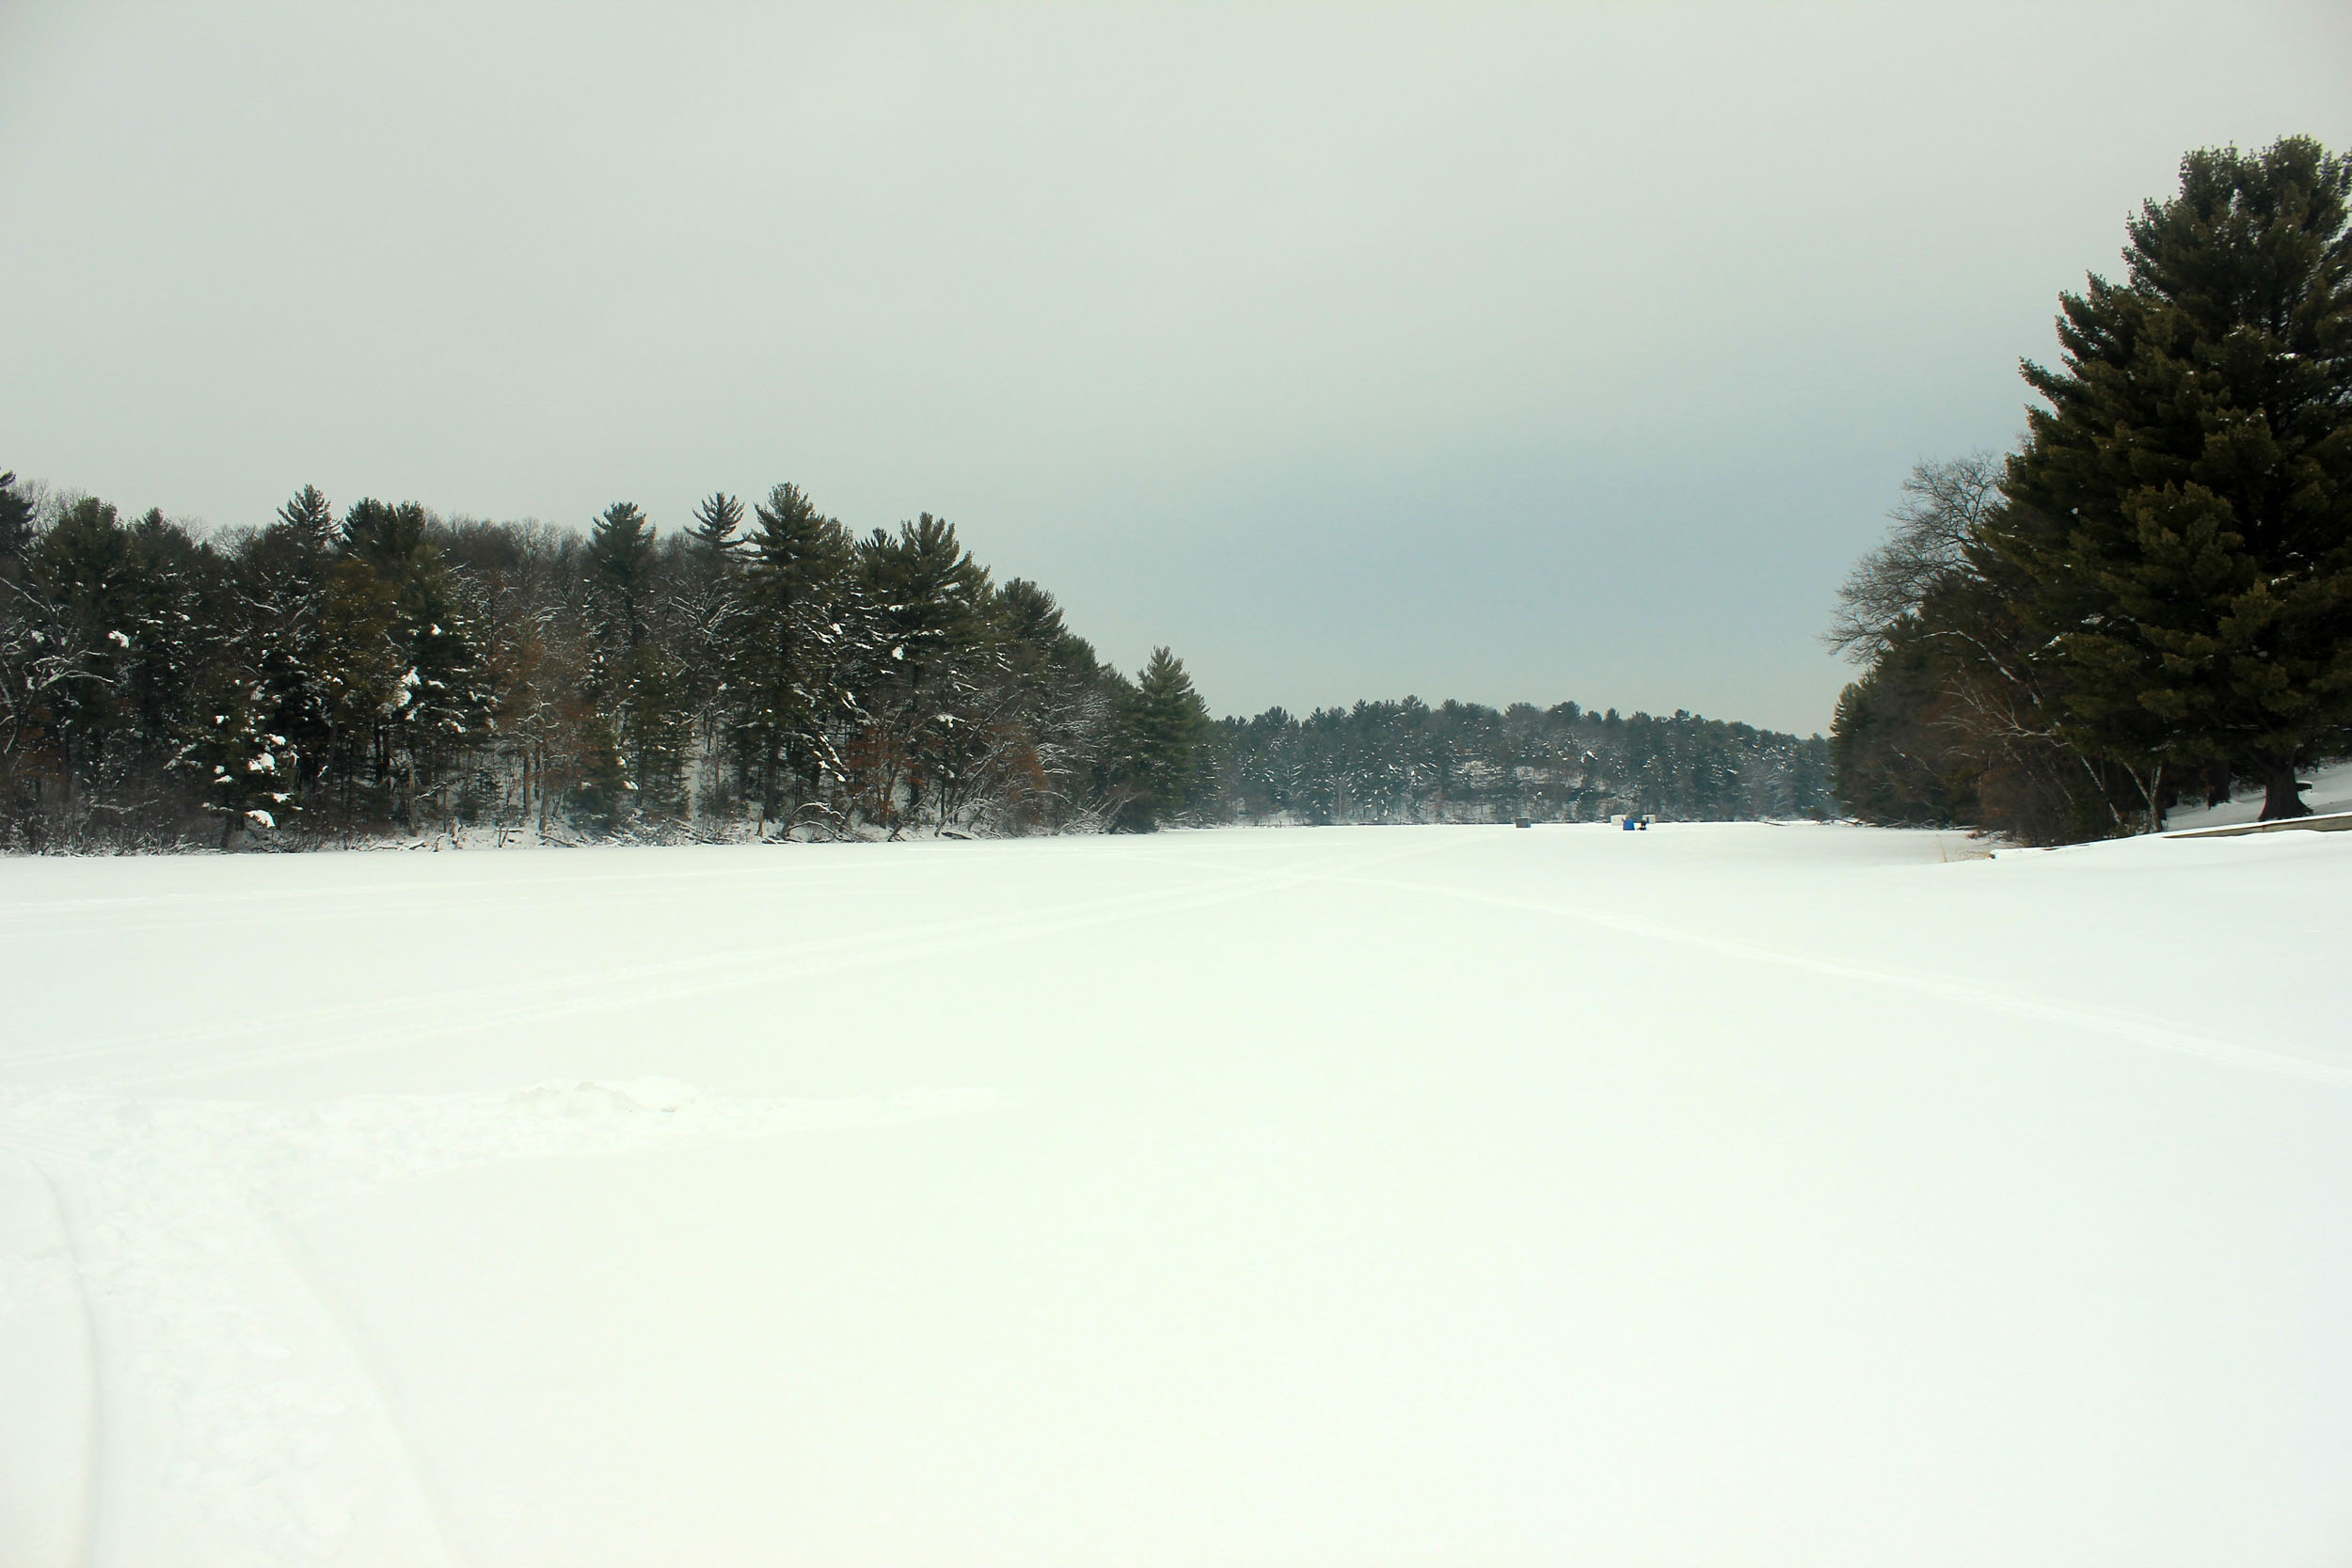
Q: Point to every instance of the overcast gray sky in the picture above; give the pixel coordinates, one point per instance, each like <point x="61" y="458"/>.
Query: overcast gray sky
<point x="1507" y="353"/>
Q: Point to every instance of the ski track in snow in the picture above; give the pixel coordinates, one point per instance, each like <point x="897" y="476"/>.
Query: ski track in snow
<point x="2137" y="1027"/>
<point x="244" y="1414"/>
<point x="213" y="1397"/>
<point x="330" y="1031"/>
<point x="47" y="1368"/>
<point x="280" y="1442"/>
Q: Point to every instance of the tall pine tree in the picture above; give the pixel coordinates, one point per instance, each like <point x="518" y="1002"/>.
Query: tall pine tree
<point x="2182" y="509"/>
<point x="928" y="599"/>
<point x="443" y="698"/>
<point x="1169" y="729"/>
<point x="791" y="650"/>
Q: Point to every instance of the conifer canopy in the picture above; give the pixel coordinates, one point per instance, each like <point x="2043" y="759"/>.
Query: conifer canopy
<point x="2182" y="511"/>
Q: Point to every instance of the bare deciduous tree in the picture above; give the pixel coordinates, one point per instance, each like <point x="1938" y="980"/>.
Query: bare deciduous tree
<point x="1943" y="506"/>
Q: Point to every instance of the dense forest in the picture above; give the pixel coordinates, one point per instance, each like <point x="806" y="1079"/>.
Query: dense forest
<point x="2151" y="600"/>
<point x="381" y="671"/>
<point x="1407" y="762"/>
<point x="327" y="677"/>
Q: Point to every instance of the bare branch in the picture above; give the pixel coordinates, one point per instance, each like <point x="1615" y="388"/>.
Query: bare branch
<point x="1939" y="520"/>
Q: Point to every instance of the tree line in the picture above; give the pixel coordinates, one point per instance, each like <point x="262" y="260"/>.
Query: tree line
<point x="384" y="670"/>
<point x="2151" y="600"/>
<point x="1461" y="762"/>
<point x="762" y="672"/>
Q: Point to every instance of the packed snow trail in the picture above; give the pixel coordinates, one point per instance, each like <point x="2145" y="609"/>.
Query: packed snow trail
<point x="240" y="1416"/>
<point x="2140" y="1027"/>
<point x="509" y="1001"/>
<point x="1728" y="1195"/>
<point x="47" y="1377"/>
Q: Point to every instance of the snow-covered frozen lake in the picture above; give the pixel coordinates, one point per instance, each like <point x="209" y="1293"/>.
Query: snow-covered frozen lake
<point x="1719" y="1195"/>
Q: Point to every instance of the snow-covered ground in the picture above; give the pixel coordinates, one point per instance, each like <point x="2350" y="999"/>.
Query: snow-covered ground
<point x="1719" y="1195"/>
<point x="2330" y="791"/>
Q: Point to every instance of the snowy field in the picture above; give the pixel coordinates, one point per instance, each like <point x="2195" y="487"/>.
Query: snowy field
<point x="1720" y="1195"/>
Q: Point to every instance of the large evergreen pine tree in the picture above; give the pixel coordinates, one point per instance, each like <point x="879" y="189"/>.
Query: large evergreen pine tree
<point x="282" y="576"/>
<point x="359" y="671"/>
<point x="2182" y="510"/>
<point x="1169" y="729"/>
<point x="790" y="652"/>
<point x="637" y="741"/>
<point x="1059" y="713"/>
<point x="713" y="531"/>
<point x="620" y="553"/>
<point x="710" y="610"/>
<point x="308" y="517"/>
<point x="928" y="599"/>
<point x="441" y="698"/>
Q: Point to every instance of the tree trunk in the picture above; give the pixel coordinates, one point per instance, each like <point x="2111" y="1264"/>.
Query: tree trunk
<point x="2283" y="795"/>
<point x="2218" y="784"/>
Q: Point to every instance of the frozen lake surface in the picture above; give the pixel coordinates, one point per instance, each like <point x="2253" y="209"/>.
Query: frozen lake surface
<point x="1720" y="1195"/>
